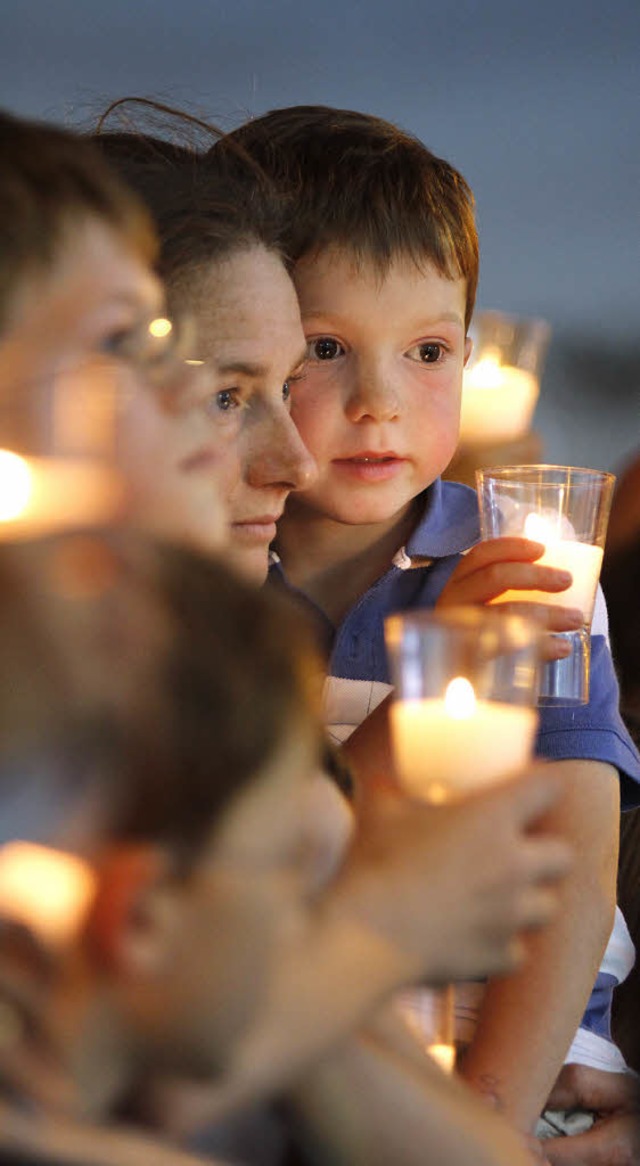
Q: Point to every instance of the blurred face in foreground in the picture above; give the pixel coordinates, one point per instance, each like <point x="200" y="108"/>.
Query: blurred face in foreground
<point x="173" y="972"/>
<point x="85" y="328"/>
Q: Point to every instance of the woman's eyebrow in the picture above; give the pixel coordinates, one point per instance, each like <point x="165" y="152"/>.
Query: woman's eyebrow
<point x="245" y="368"/>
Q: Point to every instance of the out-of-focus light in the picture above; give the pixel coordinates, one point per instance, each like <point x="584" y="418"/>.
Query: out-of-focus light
<point x="15" y="485"/>
<point x="48" y="891"/>
<point x="160" y="327"/>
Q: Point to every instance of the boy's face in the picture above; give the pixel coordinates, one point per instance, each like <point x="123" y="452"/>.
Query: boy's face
<point x="379" y="405"/>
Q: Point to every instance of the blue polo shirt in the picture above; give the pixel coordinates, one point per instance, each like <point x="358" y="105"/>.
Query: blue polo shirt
<point x="358" y="673"/>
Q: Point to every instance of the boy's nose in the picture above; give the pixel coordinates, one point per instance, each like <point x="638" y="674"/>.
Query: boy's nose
<point x="281" y="458"/>
<point x="372" y="395"/>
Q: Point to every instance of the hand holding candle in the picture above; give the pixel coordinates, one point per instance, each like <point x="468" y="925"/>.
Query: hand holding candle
<point x="566" y="510"/>
<point x="498" y="567"/>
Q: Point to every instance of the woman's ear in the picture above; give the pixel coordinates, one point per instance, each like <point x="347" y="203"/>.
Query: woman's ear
<point x="468" y="345"/>
<point x="136" y="911"/>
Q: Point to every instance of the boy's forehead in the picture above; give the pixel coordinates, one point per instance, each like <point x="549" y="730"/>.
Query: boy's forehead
<point x="340" y="271"/>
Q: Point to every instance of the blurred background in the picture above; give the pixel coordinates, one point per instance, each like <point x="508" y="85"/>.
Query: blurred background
<point x="537" y="104"/>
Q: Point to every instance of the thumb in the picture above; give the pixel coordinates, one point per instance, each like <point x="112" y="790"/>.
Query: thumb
<point x="578" y="1085"/>
<point x="613" y="1140"/>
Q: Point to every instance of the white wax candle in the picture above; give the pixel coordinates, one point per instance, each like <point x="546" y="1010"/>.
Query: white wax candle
<point x="584" y="563"/>
<point x="440" y="756"/>
<point x="39" y="495"/>
<point x="497" y="402"/>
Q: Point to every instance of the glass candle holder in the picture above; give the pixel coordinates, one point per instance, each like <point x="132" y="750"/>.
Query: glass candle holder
<point x="501" y="382"/>
<point x="567" y="509"/>
<point x="465" y="692"/>
<point x="463" y="716"/>
<point x="57" y="442"/>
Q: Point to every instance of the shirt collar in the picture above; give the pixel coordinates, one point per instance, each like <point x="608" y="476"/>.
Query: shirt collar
<point x="449" y="523"/>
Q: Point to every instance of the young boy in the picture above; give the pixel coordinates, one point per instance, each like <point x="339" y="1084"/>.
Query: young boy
<point x="385" y="257"/>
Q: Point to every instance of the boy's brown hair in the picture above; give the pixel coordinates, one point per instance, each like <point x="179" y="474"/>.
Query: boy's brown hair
<point x="50" y="180"/>
<point x="361" y="183"/>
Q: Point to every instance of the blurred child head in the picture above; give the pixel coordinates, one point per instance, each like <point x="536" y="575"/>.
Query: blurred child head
<point x="385" y="257"/>
<point x="220" y="226"/>
<point x="195" y="729"/>
<point x="82" y="313"/>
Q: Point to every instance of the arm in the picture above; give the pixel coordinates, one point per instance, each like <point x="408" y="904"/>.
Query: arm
<point x="367" y="1104"/>
<point x="399" y="911"/>
<point x="528" y="1019"/>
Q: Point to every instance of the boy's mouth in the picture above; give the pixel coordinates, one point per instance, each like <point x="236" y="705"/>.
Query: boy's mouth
<point x="371" y="466"/>
<point x="368" y="458"/>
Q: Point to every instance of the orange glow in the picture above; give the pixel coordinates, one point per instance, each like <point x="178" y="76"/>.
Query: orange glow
<point x="15" y="485"/>
<point x="44" y="495"/>
<point x="460" y="699"/>
<point x="48" y="891"/>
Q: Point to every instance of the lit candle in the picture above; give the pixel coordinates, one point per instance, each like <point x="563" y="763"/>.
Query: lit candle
<point x="446" y="747"/>
<point x="47" y="891"/>
<point x="582" y="559"/>
<point x="444" y="1056"/>
<point x="41" y="495"/>
<point x="498" y="401"/>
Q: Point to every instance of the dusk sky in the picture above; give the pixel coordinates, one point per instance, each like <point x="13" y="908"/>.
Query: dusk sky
<point x="538" y="104"/>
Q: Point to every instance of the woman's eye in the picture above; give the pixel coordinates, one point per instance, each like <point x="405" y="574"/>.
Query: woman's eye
<point x="324" y="348"/>
<point x="286" y="391"/>
<point x="224" y="401"/>
<point x="428" y="353"/>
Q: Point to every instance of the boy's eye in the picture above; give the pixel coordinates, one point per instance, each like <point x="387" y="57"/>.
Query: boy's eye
<point x="430" y="352"/>
<point x="324" y="348"/>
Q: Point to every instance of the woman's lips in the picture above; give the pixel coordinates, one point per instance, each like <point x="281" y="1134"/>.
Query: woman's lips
<point x="370" y="467"/>
<point x="256" y="529"/>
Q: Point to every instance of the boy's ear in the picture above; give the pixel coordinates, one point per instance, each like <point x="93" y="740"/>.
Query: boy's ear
<point x="136" y="911"/>
<point x="468" y="345"/>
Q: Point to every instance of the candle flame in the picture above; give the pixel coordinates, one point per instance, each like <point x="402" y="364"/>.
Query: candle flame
<point x="444" y="1056"/>
<point x="485" y="374"/>
<point x="45" y="890"/>
<point x="160" y="327"/>
<point x="538" y="528"/>
<point x="15" y="485"/>
<point x="460" y="699"/>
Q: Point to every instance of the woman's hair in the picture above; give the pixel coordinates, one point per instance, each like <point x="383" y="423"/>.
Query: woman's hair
<point x="207" y="204"/>
<point x="51" y="180"/>
<point x="145" y="673"/>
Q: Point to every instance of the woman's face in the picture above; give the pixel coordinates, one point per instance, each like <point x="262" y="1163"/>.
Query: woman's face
<point x="250" y="337"/>
<point x="80" y="333"/>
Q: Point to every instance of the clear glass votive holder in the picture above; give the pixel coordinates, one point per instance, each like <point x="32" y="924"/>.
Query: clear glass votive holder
<point x="465" y="687"/>
<point x="501" y="381"/>
<point x="567" y="509"/>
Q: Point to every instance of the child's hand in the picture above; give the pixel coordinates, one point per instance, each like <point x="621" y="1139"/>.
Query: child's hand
<point x="509" y="564"/>
<point x="615" y="1134"/>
